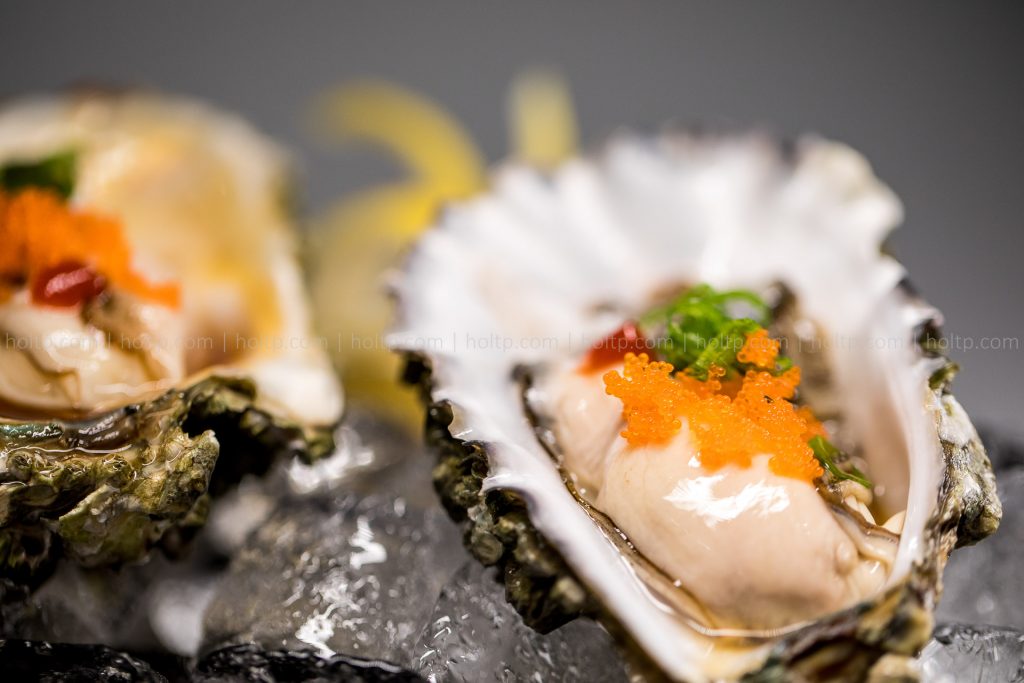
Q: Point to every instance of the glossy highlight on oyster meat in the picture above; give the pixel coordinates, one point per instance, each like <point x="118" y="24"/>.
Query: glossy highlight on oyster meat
<point x="697" y="549"/>
<point x="156" y="338"/>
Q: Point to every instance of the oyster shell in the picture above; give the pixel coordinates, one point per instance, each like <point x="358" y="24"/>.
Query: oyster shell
<point x="121" y="415"/>
<point x="514" y="283"/>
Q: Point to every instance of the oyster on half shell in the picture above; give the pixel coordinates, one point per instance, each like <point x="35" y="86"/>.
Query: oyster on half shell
<point x="157" y="341"/>
<point x="501" y="300"/>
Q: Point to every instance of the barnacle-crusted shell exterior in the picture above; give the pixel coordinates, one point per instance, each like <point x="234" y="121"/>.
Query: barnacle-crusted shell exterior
<point x="202" y="198"/>
<point x="112" y="487"/>
<point x="531" y="271"/>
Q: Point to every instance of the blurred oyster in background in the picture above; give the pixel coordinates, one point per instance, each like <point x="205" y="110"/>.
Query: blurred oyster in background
<point x="156" y="332"/>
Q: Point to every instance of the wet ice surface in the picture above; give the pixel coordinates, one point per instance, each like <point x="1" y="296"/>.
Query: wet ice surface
<point x="154" y="606"/>
<point x="343" y="566"/>
<point x="363" y="573"/>
<point x="176" y="609"/>
<point x="80" y="606"/>
<point x="349" y="576"/>
<point x="967" y="653"/>
<point x="983" y="583"/>
<point x="355" y="556"/>
<point x="349" y="559"/>
<point x="474" y="635"/>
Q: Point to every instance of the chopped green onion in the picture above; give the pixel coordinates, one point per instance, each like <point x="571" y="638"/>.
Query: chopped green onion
<point x="721" y="349"/>
<point x="55" y="172"/>
<point x="702" y="328"/>
<point x="826" y="454"/>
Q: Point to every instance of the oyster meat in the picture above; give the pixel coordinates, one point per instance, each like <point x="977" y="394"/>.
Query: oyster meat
<point x="157" y="340"/>
<point x="726" y="514"/>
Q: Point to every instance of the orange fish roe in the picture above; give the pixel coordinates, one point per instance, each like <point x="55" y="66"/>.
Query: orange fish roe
<point x="759" y="350"/>
<point x="759" y="420"/>
<point x="814" y="427"/>
<point x="39" y="232"/>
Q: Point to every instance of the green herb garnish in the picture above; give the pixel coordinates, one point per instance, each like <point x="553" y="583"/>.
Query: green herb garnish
<point x="826" y="454"/>
<point x="703" y="327"/>
<point x="56" y="173"/>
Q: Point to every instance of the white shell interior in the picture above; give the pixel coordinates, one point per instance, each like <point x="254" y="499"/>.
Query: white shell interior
<point x="543" y="266"/>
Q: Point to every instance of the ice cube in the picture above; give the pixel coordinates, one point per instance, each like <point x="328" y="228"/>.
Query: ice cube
<point x="474" y="635"/>
<point x="971" y="653"/>
<point x="351" y="558"/>
<point x="176" y="609"/>
<point x="344" y="574"/>
<point x="77" y="605"/>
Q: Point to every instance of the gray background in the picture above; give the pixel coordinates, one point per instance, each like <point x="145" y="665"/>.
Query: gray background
<point x="931" y="92"/>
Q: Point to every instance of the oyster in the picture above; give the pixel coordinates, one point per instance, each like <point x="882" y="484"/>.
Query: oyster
<point x="498" y="309"/>
<point x="156" y="336"/>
